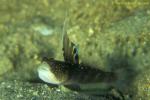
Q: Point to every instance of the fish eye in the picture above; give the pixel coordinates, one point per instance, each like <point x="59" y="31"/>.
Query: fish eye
<point x="44" y="59"/>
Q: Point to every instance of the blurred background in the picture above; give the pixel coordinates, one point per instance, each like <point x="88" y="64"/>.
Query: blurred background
<point x="112" y="35"/>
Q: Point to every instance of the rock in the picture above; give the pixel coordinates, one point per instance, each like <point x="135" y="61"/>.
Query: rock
<point x="5" y="65"/>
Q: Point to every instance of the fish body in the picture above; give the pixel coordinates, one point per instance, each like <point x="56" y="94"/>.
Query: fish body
<point x="70" y="71"/>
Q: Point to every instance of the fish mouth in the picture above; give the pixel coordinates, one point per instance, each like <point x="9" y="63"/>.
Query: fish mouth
<point x="45" y="74"/>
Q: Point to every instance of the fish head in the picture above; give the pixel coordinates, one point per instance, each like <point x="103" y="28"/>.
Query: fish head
<point x="53" y="72"/>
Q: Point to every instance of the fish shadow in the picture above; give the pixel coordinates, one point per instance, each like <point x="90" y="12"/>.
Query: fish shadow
<point x="121" y="62"/>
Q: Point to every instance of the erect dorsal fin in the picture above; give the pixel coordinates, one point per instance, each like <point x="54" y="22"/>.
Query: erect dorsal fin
<point x="70" y="51"/>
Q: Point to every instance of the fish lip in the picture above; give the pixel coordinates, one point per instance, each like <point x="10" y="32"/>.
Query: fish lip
<point x="43" y="66"/>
